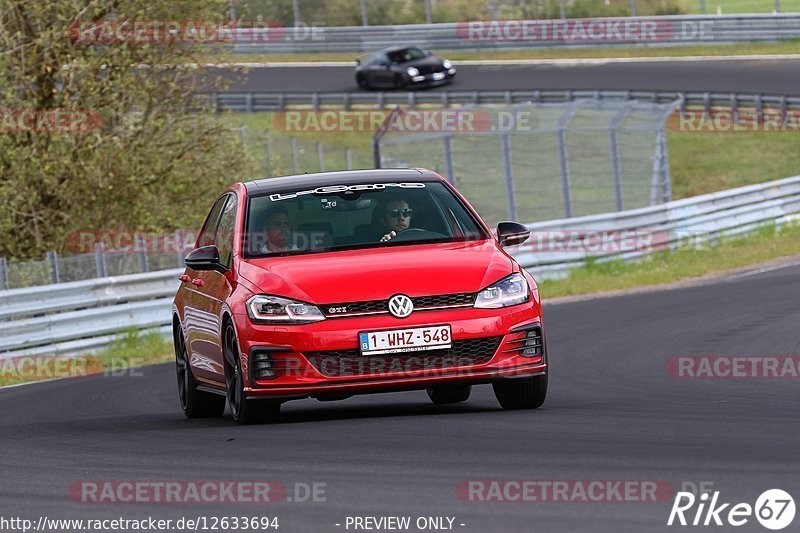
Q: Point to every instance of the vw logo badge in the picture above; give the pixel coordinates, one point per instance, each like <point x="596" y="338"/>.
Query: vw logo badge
<point x="400" y="305"/>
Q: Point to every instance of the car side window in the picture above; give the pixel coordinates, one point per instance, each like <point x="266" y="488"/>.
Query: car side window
<point x="210" y="225"/>
<point x="224" y="238"/>
<point x="378" y="60"/>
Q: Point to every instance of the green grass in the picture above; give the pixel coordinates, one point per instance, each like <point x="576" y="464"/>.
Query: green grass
<point x="783" y="47"/>
<point x="130" y="350"/>
<point x="706" y="162"/>
<point x="684" y="263"/>
<point x="726" y="7"/>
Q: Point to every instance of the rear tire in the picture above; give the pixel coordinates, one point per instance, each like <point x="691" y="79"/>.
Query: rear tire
<point x="521" y="394"/>
<point x="243" y="411"/>
<point x="195" y="403"/>
<point x="444" y="394"/>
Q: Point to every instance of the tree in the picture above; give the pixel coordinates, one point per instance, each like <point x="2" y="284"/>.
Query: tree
<point x="100" y="127"/>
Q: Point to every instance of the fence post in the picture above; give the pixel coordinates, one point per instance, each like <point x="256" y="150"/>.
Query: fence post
<point x="54" y="272"/>
<point x="348" y="156"/>
<point x="4" y="274"/>
<point x="364" y="19"/>
<point x="270" y="152"/>
<point x="564" y="161"/>
<point x="321" y="156"/>
<point x="179" y="238"/>
<point x="509" y="175"/>
<point x="449" y="172"/>
<point x="616" y="164"/>
<point x="100" y="260"/>
<point x="141" y="251"/>
<point x="666" y="184"/>
<point x="562" y="10"/>
<point x="777" y="6"/>
<point x="428" y="13"/>
<point x="296" y="11"/>
<point x="295" y="160"/>
<point x="633" y="8"/>
<point x="656" y="184"/>
<point x="703" y="7"/>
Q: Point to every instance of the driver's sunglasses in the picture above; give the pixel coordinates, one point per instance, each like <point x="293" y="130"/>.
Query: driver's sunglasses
<point x="397" y="213"/>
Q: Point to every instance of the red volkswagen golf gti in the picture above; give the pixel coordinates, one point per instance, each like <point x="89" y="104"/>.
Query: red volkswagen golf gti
<point x="334" y="284"/>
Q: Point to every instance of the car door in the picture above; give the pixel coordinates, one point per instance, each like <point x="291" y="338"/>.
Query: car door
<point x="380" y="71"/>
<point x="205" y="292"/>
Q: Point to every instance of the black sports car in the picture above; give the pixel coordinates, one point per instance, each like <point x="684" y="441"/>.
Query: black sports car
<point x="403" y="67"/>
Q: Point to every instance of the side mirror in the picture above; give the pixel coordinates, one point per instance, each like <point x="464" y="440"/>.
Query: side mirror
<point x="512" y="233"/>
<point x="204" y="258"/>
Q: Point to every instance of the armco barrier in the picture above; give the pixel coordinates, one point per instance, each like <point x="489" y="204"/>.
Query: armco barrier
<point x="254" y="102"/>
<point x="78" y="317"/>
<point x="524" y="34"/>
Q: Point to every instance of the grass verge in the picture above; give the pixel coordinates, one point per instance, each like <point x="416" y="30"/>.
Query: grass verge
<point x="783" y="47"/>
<point x="131" y="349"/>
<point x="764" y="244"/>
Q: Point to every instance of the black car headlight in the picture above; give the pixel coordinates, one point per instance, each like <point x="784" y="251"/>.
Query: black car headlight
<point x="511" y="290"/>
<point x="267" y="309"/>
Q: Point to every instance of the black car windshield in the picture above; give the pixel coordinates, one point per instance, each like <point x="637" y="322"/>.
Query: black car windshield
<point x="351" y="216"/>
<point x="406" y="55"/>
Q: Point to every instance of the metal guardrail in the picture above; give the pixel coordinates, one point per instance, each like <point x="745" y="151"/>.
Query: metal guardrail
<point x="74" y="318"/>
<point x="254" y="102"/>
<point x="516" y="34"/>
<point x="81" y="316"/>
<point x="686" y="222"/>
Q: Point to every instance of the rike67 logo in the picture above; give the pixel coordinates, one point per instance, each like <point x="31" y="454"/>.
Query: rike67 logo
<point x="774" y="509"/>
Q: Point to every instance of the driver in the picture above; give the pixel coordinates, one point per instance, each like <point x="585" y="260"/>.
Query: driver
<point x="396" y="218"/>
<point x="279" y="231"/>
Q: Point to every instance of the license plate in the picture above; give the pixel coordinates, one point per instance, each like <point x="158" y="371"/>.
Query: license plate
<point x="438" y="76"/>
<point x="405" y="340"/>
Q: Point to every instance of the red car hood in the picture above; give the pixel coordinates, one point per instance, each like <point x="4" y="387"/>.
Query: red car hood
<point x="378" y="273"/>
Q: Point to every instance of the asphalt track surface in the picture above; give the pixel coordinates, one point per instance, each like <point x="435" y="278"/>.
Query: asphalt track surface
<point x="745" y="76"/>
<point x="613" y="413"/>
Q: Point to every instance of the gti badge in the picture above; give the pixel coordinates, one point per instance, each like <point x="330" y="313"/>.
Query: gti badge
<point x="400" y="305"/>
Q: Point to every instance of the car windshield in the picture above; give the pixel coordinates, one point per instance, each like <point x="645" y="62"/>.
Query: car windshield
<point x="351" y="216"/>
<point x="406" y="55"/>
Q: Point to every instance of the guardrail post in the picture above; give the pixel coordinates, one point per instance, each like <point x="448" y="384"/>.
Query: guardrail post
<point x="759" y="110"/>
<point x="295" y="159"/>
<point x="215" y="102"/>
<point x="784" y="110"/>
<point x="509" y="175"/>
<point x="412" y="99"/>
<point x="321" y="156"/>
<point x="4" y="274"/>
<point x="55" y="275"/>
<point x="100" y="260"/>
<point x="248" y="102"/>
<point x="141" y="252"/>
<point x="281" y="101"/>
<point x="449" y="168"/>
<point x="381" y="100"/>
<point x="348" y="157"/>
<point x="346" y="102"/>
<point x="315" y="101"/>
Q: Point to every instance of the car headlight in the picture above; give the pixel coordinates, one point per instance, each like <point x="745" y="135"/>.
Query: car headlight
<point x="411" y="71"/>
<point x="447" y="64"/>
<point x="272" y="309"/>
<point x="511" y="290"/>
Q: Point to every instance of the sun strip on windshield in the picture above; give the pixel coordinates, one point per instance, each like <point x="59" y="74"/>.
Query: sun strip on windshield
<point x="334" y="189"/>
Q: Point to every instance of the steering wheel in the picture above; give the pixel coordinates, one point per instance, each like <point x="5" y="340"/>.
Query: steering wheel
<point x="410" y="234"/>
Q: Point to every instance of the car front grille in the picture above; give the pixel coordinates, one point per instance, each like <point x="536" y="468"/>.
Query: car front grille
<point x="468" y="352"/>
<point x="421" y="303"/>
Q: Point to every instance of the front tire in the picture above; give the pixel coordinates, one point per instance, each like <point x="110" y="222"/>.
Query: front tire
<point x="444" y="394"/>
<point x="521" y="394"/>
<point x="243" y="411"/>
<point x="195" y="403"/>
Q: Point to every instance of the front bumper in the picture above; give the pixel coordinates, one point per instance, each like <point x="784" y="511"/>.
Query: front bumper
<point x="295" y="351"/>
<point x="433" y="79"/>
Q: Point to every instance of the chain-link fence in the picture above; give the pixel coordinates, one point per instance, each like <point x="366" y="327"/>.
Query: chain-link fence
<point x="543" y="161"/>
<point x="278" y="154"/>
